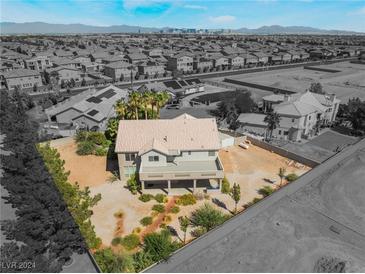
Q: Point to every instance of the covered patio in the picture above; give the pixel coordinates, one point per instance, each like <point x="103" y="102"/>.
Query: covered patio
<point x="180" y="187"/>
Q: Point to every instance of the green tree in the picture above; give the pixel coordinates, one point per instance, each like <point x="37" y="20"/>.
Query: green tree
<point x="272" y="120"/>
<point x="184" y="224"/>
<point x="281" y="174"/>
<point x="236" y="195"/>
<point x="207" y="217"/>
<point x="161" y="99"/>
<point x="135" y="103"/>
<point x="121" y="109"/>
<point x="132" y="184"/>
<point x="316" y="88"/>
<point x="226" y="188"/>
<point x="159" y="245"/>
<point x="112" y="129"/>
<point x="110" y="262"/>
<point x="146" y="102"/>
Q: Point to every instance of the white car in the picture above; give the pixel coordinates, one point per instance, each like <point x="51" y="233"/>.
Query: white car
<point x="243" y="145"/>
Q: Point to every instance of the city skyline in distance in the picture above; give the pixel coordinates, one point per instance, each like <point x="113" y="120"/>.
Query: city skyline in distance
<point x="216" y="14"/>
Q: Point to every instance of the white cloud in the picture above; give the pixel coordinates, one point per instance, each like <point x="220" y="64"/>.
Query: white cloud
<point x="195" y="7"/>
<point x="223" y="19"/>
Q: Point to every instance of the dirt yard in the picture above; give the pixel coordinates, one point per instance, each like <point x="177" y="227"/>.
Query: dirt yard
<point x="249" y="168"/>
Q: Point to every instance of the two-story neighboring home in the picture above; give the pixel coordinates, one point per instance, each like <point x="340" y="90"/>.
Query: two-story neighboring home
<point x="65" y="74"/>
<point x="202" y="64"/>
<point x="220" y="61"/>
<point x="151" y="69"/>
<point x="22" y="78"/>
<point x="170" y="153"/>
<point x="120" y="71"/>
<point x="236" y="61"/>
<point x="300" y="115"/>
<point x="180" y="62"/>
<point x="38" y="63"/>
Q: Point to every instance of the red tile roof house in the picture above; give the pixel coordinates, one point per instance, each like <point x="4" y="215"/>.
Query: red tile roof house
<point x="170" y="154"/>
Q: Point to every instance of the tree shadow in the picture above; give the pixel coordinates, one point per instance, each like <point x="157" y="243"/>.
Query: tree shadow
<point x="221" y="204"/>
<point x="112" y="161"/>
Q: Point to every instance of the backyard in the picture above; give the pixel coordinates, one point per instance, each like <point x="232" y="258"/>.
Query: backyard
<point x="119" y="213"/>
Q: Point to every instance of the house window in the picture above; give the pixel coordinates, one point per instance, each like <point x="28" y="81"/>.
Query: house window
<point x="153" y="158"/>
<point x="279" y="132"/>
<point x="189" y="152"/>
<point x="293" y="120"/>
<point x="211" y="153"/>
<point x="130" y="157"/>
<point x="309" y="117"/>
<point x="286" y="133"/>
<point x="170" y="159"/>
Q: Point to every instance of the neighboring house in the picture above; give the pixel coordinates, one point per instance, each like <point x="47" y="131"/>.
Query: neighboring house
<point x="262" y="57"/>
<point x="23" y="78"/>
<point x="120" y="71"/>
<point x="39" y="63"/>
<point x="220" y="61"/>
<point x="300" y="115"/>
<point x="153" y="52"/>
<point x="250" y="59"/>
<point x="180" y="62"/>
<point x="171" y="153"/>
<point x="236" y="61"/>
<point x="152" y="69"/>
<point x="89" y="109"/>
<point x="175" y="87"/>
<point x="134" y="58"/>
<point x="65" y="74"/>
<point x="202" y="64"/>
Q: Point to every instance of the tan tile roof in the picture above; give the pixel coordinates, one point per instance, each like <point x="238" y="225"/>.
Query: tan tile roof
<point x="183" y="133"/>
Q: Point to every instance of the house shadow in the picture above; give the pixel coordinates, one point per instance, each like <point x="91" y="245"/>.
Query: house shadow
<point x="269" y="181"/>
<point x="112" y="161"/>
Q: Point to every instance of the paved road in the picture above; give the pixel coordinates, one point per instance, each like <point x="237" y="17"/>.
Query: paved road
<point x="319" y="216"/>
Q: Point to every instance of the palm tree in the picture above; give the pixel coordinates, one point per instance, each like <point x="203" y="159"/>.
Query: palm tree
<point x="161" y="99"/>
<point x="135" y="102"/>
<point x="146" y="101"/>
<point x="121" y="108"/>
<point x="273" y="120"/>
<point x="281" y="174"/>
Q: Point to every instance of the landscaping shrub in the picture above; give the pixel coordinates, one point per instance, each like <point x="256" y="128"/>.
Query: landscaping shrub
<point x="291" y="177"/>
<point x="85" y="148"/>
<point x="154" y="213"/>
<point x="254" y="201"/>
<point x="137" y="230"/>
<point x="110" y="262"/>
<point x="146" y="221"/>
<point x="145" y="197"/>
<point x="175" y="209"/>
<point x="187" y="199"/>
<point x="142" y="260"/>
<point x="116" y="241"/>
<point x="130" y="241"/>
<point x="207" y="217"/>
<point x="167" y="219"/>
<point x="160" y="245"/>
<point x="163" y="225"/>
<point x="133" y="185"/>
<point x="119" y="214"/>
<point x="159" y="208"/>
<point x="266" y="191"/>
<point x="160" y="198"/>
<point x="226" y="188"/>
<point x="100" y="151"/>
<point x="198" y="232"/>
<point x="97" y="138"/>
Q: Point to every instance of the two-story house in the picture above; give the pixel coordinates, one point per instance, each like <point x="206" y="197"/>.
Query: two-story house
<point x="180" y="62"/>
<point x="170" y="153"/>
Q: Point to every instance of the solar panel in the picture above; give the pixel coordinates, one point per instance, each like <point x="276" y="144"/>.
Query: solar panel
<point x="106" y="94"/>
<point x="172" y="84"/>
<point x="92" y="112"/>
<point x="182" y="83"/>
<point x="94" y="99"/>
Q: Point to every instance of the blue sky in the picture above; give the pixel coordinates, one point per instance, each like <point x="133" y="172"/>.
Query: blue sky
<point x="326" y="14"/>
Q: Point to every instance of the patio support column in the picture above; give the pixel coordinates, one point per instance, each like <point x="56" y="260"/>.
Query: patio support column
<point x="168" y="186"/>
<point x="142" y="184"/>
<point x="194" y="186"/>
<point x="220" y="184"/>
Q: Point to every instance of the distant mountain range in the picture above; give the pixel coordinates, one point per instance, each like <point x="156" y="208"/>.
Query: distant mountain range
<point x="46" y="28"/>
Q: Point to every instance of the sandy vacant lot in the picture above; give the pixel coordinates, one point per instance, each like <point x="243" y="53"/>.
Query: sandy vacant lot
<point x="249" y="168"/>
